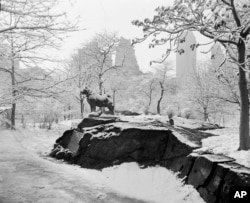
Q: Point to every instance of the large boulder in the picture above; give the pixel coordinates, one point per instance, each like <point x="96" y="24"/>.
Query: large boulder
<point x="103" y="145"/>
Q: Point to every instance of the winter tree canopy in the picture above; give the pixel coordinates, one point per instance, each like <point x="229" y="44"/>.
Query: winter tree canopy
<point x="223" y="21"/>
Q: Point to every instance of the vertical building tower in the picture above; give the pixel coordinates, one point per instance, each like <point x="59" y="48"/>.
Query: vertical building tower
<point x="186" y="59"/>
<point x="130" y="65"/>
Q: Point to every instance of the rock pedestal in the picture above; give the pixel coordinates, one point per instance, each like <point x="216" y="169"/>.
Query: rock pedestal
<point x="104" y="145"/>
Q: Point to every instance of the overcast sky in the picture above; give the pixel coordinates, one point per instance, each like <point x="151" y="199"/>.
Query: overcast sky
<point x="114" y="15"/>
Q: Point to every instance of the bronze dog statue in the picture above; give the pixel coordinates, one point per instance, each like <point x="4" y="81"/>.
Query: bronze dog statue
<point x="95" y="100"/>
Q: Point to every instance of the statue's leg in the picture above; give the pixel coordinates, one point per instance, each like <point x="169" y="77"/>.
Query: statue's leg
<point x="92" y="108"/>
<point x="111" y="109"/>
<point x="100" y="109"/>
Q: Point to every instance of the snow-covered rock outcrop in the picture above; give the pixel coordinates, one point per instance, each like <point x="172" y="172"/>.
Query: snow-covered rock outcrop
<point x="107" y="144"/>
<point x="103" y="142"/>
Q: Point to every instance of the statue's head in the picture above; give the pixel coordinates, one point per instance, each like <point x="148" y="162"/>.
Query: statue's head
<point x="86" y="91"/>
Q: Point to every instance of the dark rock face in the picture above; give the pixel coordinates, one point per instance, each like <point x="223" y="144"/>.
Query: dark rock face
<point x="205" y="176"/>
<point x="186" y="165"/>
<point x="65" y="138"/>
<point x="176" y="148"/>
<point x="61" y="153"/>
<point x="203" y="167"/>
<point x="213" y="175"/>
<point x="236" y="175"/>
<point x="104" y="142"/>
<point x="105" y="145"/>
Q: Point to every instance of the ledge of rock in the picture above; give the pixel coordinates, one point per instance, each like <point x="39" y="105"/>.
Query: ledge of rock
<point x="106" y="144"/>
<point x="213" y="175"/>
<point x="102" y="142"/>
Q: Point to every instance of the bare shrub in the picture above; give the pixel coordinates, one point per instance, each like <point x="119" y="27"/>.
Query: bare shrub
<point x="186" y="113"/>
<point x="170" y="112"/>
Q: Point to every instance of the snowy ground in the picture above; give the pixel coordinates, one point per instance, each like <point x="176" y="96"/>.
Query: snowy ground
<point x="153" y="184"/>
<point x="227" y="143"/>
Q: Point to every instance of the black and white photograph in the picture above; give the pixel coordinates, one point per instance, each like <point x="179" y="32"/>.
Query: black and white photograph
<point x="124" y="101"/>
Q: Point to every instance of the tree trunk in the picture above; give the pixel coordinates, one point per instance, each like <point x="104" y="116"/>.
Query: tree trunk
<point x="14" y="91"/>
<point x="100" y="86"/>
<point x="13" y="116"/>
<point x="69" y="113"/>
<point x="205" y="113"/>
<point x="244" y="100"/>
<point x="150" y="100"/>
<point x="148" y="106"/>
<point x="114" y="93"/>
<point x="65" y="115"/>
<point x="81" y="105"/>
<point x="150" y="96"/>
<point x="159" y="106"/>
<point x="159" y="101"/>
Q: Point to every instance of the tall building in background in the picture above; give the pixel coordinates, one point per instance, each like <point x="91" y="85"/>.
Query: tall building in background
<point x="130" y="65"/>
<point x="186" y="59"/>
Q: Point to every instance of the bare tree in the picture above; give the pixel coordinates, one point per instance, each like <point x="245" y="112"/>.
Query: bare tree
<point x="201" y="89"/>
<point x="163" y="80"/>
<point x="100" y="52"/>
<point x="116" y="85"/>
<point x="148" y="91"/>
<point x="27" y="28"/>
<point x="32" y="15"/>
<point x="80" y="73"/>
<point x="223" y="21"/>
<point x="227" y="78"/>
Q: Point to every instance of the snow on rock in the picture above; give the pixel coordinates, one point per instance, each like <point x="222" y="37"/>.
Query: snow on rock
<point x="241" y="157"/>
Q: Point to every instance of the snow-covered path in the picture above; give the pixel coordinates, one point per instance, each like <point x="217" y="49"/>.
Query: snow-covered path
<point x="27" y="178"/>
